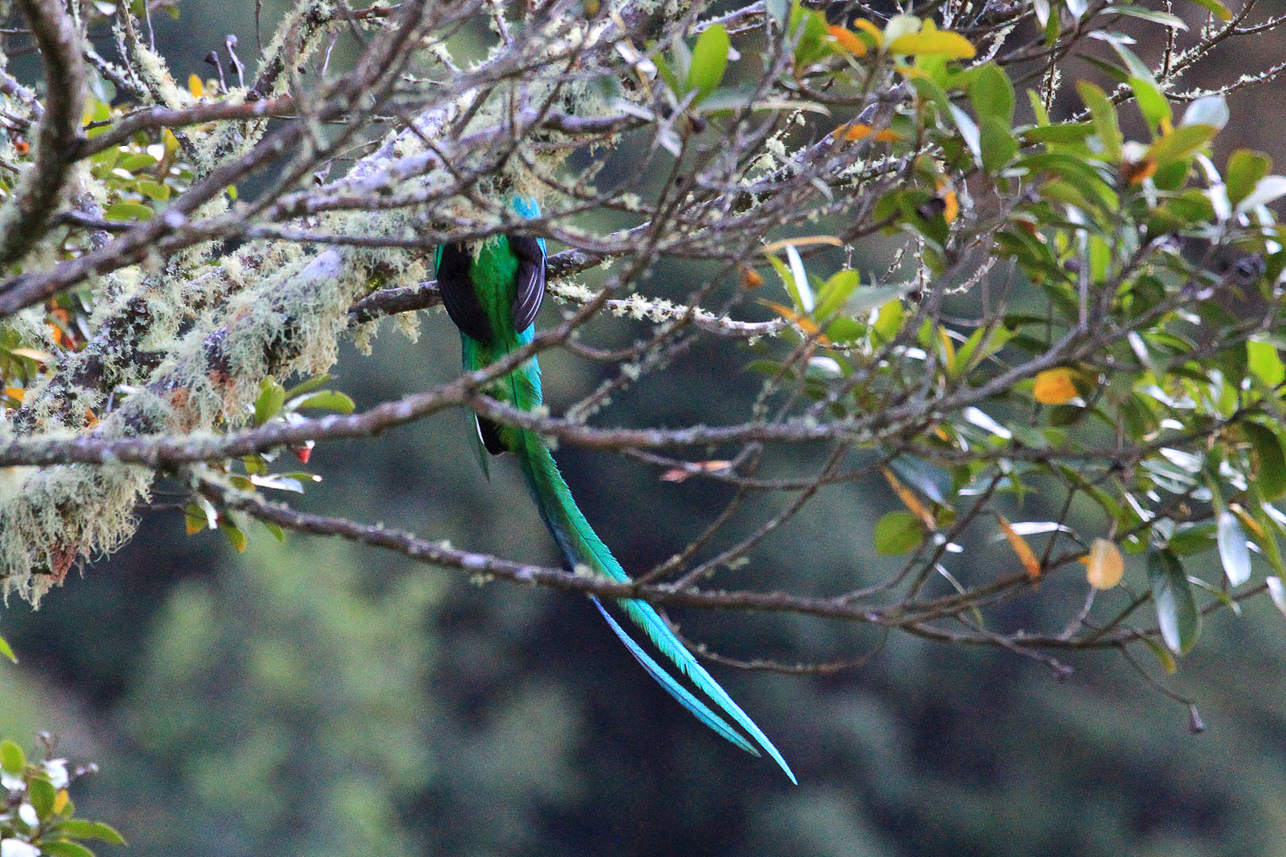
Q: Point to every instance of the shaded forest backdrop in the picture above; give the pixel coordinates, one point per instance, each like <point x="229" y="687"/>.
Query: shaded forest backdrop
<point x="314" y="697"/>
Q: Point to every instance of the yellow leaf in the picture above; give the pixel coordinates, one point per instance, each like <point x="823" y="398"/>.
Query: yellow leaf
<point x="870" y="29"/>
<point x="848" y="40"/>
<point x="15" y="393"/>
<point x="39" y="356"/>
<point x="909" y="499"/>
<point x="1104" y="565"/>
<point x="60" y="801"/>
<point x="802" y="241"/>
<point x="195" y="86"/>
<point x="1055" y="386"/>
<point x="1246" y="518"/>
<point x="939" y="42"/>
<point x="1021" y="548"/>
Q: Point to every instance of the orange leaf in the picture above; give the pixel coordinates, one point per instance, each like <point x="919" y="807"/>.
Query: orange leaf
<point x="1055" y="386"/>
<point x="805" y="324"/>
<point x="908" y="498"/>
<point x="847" y="40"/>
<point x="857" y="131"/>
<point x="750" y="278"/>
<point x="1021" y="548"/>
<point x="1135" y="172"/>
<point x="15" y="393"/>
<point x="1104" y="565"/>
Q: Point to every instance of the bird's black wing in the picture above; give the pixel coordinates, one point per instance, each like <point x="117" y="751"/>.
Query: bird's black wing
<point x="458" y="294"/>
<point x="531" y="279"/>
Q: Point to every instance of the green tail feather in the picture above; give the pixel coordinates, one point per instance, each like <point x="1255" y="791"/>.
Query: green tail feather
<point x="580" y="545"/>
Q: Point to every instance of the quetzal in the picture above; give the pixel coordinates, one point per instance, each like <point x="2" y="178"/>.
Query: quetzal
<point x="492" y="291"/>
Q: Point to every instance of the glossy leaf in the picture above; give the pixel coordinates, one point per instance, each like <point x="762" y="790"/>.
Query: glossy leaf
<point x="1266" y="190"/>
<point x="1208" y="110"/>
<point x="1176" y="607"/>
<point x="1233" y="552"/>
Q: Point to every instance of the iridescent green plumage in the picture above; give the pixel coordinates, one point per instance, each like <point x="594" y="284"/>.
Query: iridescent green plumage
<point x="492" y="292"/>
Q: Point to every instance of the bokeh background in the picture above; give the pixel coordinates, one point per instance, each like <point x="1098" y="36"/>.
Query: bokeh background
<point x="317" y="698"/>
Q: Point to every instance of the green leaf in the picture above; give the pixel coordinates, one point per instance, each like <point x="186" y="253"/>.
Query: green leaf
<point x="1167" y="660"/>
<point x="1176" y="607"/>
<point x="134" y="163"/>
<point x="1179" y="143"/>
<point x="1165" y="19"/>
<point x="78" y="828"/>
<point x="1134" y="66"/>
<point x="1214" y="7"/>
<point x="897" y="532"/>
<point x="1265" y="363"/>
<point x="1103" y="115"/>
<point x="12" y="760"/>
<point x="709" y="61"/>
<point x="63" y="848"/>
<point x="232" y="533"/>
<point x="1244" y="171"/>
<point x="153" y="190"/>
<point x="1266" y="190"/>
<point x="832" y="295"/>
<point x="314" y="383"/>
<point x="1066" y="132"/>
<point x="1233" y="551"/>
<point x="128" y="211"/>
<point x="1270" y="472"/>
<point x="7" y="651"/>
<point x="992" y="94"/>
<point x="275" y="529"/>
<point x="330" y="400"/>
<point x="271" y="397"/>
<point x="1152" y="104"/>
<point x="42" y="795"/>
<point x="888" y="322"/>
<point x="997" y="143"/>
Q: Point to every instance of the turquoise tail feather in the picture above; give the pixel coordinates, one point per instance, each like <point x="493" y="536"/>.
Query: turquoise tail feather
<point x="580" y="545"/>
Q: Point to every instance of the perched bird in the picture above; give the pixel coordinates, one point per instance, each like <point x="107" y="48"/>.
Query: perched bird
<point x="492" y="291"/>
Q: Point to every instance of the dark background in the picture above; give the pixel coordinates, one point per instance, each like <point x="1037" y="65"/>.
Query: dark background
<point x="318" y="698"/>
